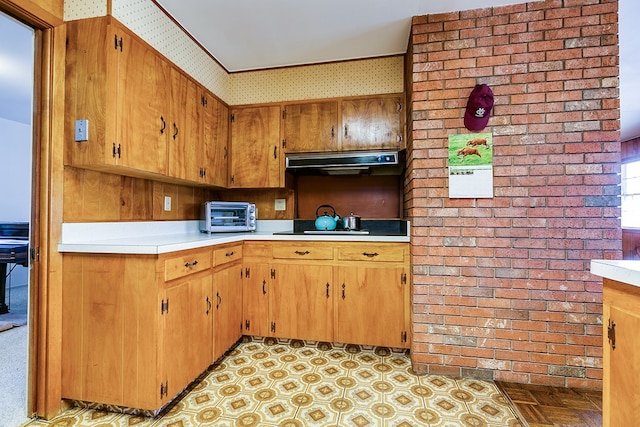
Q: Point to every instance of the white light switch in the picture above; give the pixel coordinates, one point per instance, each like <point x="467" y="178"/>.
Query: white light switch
<point x="167" y="203"/>
<point x="281" y="204"/>
<point x="82" y="130"/>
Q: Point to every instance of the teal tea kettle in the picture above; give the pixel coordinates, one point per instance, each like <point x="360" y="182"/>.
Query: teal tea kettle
<point x="326" y="221"/>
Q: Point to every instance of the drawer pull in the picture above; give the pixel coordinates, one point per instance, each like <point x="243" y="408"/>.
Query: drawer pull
<point x="191" y="264"/>
<point x="302" y="253"/>
<point x="229" y="253"/>
<point x="369" y="254"/>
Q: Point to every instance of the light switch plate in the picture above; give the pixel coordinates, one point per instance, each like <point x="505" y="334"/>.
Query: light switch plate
<point x="167" y="203"/>
<point x="82" y="130"/>
<point x="280" y="204"/>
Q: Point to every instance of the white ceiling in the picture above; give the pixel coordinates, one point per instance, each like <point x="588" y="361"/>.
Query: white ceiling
<point x="256" y="34"/>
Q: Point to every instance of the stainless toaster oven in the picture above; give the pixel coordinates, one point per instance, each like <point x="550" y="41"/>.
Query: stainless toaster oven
<point x="226" y="217"/>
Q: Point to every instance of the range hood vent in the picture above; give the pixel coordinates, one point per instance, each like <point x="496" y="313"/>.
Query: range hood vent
<point x="388" y="162"/>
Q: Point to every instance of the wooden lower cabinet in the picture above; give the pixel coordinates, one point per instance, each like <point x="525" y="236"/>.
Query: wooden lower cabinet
<point x="227" y="301"/>
<point x="138" y="329"/>
<point x="371" y="306"/>
<point x="187" y="334"/>
<point x="295" y="290"/>
<point x="621" y="365"/>
<point x="255" y="298"/>
<point x="301" y="302"/>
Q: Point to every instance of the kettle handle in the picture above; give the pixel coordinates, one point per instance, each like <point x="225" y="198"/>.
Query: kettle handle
<point x="325" y="206"/>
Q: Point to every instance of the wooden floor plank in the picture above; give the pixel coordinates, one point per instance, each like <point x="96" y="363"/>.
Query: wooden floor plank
<point x="542" y="406"/>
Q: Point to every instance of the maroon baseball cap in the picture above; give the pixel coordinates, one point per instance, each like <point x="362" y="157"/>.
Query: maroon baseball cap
<point x="478" y="108"/>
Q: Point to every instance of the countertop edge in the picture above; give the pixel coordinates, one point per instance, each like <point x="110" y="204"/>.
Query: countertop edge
<point x="625" y="271"/>
<point x="199" y="241"/>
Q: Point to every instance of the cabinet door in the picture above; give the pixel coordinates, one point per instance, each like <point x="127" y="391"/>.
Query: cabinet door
<point x="371" y="123"/>
<point x="371" y="306"/>
<point x="228" y="308"/>
<point x="624" y="366"/>
<point x="184" y="144"/>
<point x="215" y="135"/>
<point x="142" y="107"/>
<point x="91" y="84"/>
<point x="187" y="332"/>
<point x="301" y="302"/>
<point x="621" y="365"/>
<point x="255" y="148"/>
<point x="311" y="127"/>
<point x="256" y="286"/>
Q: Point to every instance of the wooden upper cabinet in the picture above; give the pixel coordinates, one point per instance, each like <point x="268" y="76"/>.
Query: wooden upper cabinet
<point x="310" y="127"/>
<point x="146" y="117"/>
<point x="256" y="160"/>
<point x="215" y="138"/>
<point x="183" y="127"/>
<point x="122" y="88"/>
<point x="372" y="122"/>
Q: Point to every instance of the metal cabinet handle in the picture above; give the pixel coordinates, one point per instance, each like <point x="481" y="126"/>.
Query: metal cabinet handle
<point x="191" y="264"/>
<point x="164" y="125"/>
<point x="275" y="151"/>
<point x="611" y="334"/>
<point x="229" y="253"/>
<point x="219" y="300"/>
<point x="327" y="289"/>
<point x="343" y="292"/>
<point x="208" y="305"/>
<point x="302" y="253"/>
<point x="264" y="291"/>
<point x="369" y="254"/>
<point x="175" y="131"/>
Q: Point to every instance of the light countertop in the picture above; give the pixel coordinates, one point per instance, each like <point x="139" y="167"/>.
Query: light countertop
<point x="625" y="271"/>
<point x="156" y="237"/>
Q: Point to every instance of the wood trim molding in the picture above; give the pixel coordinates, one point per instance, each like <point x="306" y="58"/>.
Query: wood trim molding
<point x="34" y="14"/>
<point x="45" y="379"/>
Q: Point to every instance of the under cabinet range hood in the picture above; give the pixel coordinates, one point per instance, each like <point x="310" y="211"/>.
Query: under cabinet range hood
<point x="387" y="162"/>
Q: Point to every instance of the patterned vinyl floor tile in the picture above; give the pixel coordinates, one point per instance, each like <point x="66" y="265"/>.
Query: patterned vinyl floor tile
<point x="266" y="382"/>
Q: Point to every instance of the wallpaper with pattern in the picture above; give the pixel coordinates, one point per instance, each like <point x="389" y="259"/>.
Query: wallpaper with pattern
<point x="361" y="77"/>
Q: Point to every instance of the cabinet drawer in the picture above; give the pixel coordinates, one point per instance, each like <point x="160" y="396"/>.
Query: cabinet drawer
<point x="371" y="253"/>
<point x="187" y="263"/>
<point x="256" y="250"/>
<point x="302" y="252"/>
<point x="226" y="255"/>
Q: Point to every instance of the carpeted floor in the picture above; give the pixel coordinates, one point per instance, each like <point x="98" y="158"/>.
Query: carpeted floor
<point x="13" y="360"/>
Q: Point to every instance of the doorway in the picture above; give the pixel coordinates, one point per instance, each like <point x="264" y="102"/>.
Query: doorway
<point x="16" y="168"/>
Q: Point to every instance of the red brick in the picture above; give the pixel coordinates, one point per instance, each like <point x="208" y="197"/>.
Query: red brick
<point x="513" y="271"/>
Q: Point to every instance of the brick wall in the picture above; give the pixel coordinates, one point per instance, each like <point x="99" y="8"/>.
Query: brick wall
<point x="501" y="286"/>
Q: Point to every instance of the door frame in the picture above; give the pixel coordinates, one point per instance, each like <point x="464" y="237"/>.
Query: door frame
<point x="45" y="275"/>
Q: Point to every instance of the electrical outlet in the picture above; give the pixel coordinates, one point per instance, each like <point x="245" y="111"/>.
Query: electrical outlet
<point x="167" y="203"/>
<point x="280" y="204"/>
<point x="82" y="130"/>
